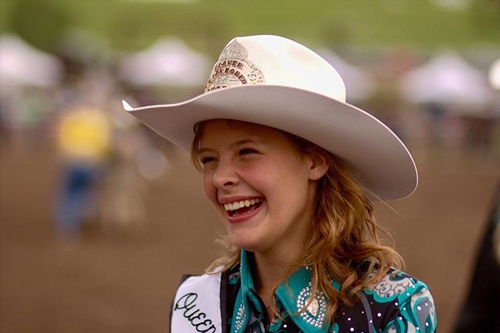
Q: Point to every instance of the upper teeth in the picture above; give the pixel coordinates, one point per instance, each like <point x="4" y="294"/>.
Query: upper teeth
<point x="240" y="204"/>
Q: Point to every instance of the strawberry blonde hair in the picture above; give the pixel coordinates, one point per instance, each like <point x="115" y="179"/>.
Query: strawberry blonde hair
<point x="343" y="232"/>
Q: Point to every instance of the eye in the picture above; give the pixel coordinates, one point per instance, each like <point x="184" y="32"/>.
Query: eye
<point x="207" y="159"/>
<point x="247" y="151"/>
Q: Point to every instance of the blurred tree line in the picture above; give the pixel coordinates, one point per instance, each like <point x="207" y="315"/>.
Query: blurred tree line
<point x="206" y="24"/>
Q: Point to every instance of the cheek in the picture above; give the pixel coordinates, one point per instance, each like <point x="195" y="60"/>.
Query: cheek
<point x="291" y="185"/>
<point x="209" y="188"/>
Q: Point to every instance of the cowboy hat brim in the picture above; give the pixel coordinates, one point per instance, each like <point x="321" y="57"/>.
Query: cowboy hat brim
<point x="373" y="152"/>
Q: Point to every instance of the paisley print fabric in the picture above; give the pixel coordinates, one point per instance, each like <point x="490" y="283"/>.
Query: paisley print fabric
<point x="399" y="303"/>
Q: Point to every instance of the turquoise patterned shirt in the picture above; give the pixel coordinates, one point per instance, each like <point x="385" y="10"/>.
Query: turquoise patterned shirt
<point x="399" y="303"/>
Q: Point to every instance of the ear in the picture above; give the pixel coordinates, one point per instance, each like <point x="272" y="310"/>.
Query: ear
<point x="318" y="167"/>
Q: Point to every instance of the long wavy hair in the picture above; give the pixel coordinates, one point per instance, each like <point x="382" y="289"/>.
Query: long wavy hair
<point x="343" y="232"/>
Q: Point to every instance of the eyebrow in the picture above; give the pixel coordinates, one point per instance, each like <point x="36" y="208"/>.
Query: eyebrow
<point x="241" y="143"/>
<point x="232" y="145"/>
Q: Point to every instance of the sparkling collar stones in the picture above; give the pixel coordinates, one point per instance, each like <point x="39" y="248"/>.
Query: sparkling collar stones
<point x="294" y="295"/>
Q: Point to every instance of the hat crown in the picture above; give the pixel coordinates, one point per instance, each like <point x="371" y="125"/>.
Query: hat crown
<point x="275" y="60"/>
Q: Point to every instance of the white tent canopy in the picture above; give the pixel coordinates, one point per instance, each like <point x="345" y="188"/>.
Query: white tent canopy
<point x="447" y="79"/>
<point x="23" y="65"/>
<point x="359" y="84"/>
<point x="168" y="62"/>
<point x="494" y="74"/>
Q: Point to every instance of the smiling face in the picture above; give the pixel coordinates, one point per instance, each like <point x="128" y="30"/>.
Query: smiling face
<point x="260" y="185"/>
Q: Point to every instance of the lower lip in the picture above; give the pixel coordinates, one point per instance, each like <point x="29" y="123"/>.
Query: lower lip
<point x="245" y="217"/>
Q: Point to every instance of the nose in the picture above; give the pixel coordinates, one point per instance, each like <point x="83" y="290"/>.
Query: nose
<point x="225" y="176"/>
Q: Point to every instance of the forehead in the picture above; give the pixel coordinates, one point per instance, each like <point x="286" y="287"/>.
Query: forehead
<point x="229" y="130"/>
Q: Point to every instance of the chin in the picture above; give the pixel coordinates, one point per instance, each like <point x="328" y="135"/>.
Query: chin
<point x="245" y="243"/>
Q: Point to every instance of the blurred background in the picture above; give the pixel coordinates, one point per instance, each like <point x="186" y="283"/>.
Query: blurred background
<point x="100" y="217"/>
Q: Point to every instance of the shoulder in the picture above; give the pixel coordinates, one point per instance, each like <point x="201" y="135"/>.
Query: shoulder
<point x="189" y="279"/>
<point x="398" y="303"/>
<point x="401" y="303"/>
<point x="204" y="286"/>
<point x="396" y="286"/>
<point x="196" y="306"/>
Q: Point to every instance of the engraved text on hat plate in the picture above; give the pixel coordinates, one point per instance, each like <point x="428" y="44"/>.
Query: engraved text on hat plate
<point x="234" y="69"/>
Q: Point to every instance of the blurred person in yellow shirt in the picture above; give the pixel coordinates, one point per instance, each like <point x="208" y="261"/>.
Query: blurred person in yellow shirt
<point x="84" y="140"/>
<point x="84" y="135"/>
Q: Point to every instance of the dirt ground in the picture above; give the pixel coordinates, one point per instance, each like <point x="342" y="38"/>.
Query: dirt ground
<point x="124" y="281"/>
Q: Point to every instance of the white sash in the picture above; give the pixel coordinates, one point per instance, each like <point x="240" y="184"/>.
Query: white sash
<point x="196" y="307"/>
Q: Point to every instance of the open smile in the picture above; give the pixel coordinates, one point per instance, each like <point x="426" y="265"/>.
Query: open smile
<point x="241" y="210"/>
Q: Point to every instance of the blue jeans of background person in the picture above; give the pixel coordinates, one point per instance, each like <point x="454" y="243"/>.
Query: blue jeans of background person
<point x="77" y="198"/>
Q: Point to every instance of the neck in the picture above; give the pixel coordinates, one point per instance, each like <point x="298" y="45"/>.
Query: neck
<point x="267" y="268"/>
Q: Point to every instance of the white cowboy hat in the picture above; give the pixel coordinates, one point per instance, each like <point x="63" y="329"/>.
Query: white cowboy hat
<point x="276" y="82"/>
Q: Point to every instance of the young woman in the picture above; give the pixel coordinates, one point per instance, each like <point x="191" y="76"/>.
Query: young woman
<point x="292" y="170"/>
